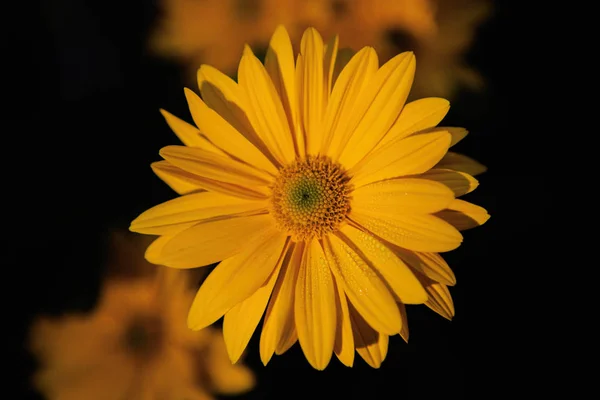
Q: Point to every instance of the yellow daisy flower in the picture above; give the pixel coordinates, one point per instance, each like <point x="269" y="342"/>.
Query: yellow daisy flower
<point x="324" y="196"/>
<point x="134" y="345"/>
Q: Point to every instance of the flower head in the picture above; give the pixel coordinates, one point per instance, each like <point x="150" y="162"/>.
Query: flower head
<point x="323" y="195"/>
<point x="134" y="345"/>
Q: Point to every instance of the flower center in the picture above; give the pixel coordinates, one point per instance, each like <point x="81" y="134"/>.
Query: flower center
<point x="311" y="197"/>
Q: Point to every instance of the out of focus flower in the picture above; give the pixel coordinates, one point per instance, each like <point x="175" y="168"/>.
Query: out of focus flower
<point x="443" y="67"/>
<point x="440" y="32"/>
<point x="325" y="196"/>
<point x="134" y="345"/>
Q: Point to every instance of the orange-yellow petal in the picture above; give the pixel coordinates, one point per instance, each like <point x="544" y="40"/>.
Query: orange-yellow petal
<point x="279" y="63"/>
<point x="402" y="196"/>
<point x="462" y="163"/>
<point x="412" y="155"/>
<point x="184" y="182"/>
<point x="416" y="116"/>
<point x="265" y="110"/>
<point x="379" y="107"/>
<point x="344" y="55"/>
<point x="331" y="52"/>
<point x="311" y="91"/>
<point x="458" y="134"/>
<point x="344" y="338"/>
<point x="209" y="242"/>
<point x="180" y="181"/>
<point x="314" y="306"/>
<point x="404" y="331"/>
<point x="241" y="321"/>
<point x="459" y="182"/>
<point x="236" y="278"/>
<point x="440" y="299"/>
<point x="279" y="319"/>
<point x="224" y="95"/>
<point x="432" y="265"/>
<point x="220" y="132"/>
<point x="414" y="232"/>
<point x="464" y="215"/>
<point x="371" y="345"/>
<point x="399" y="277"/>
<point x="219" y="168"/>
<point x="289" y="340"/>
<point x="365" y="290"/>
<point x="347" y="91"/>
<point x="180" y="213"/>
<point x="189" y="134"/>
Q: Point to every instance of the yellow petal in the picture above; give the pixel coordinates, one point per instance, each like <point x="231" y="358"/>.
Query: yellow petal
<point x="399" y="277"/>
<point x="189" y="134"/>
<point x="311" y="91"/>
<point x="458" y="134"/>
<point x="212" y="166"/>
<point x="279" y="63"/>
<point x="464" y="215"/>
<point x="402" y="196"/>
<point x="413" y="155"/>
<point x="347" y="92"/>
<point x="224" y="95"/>
<point x="331" y="51"/>
<point x="459" y="182"/>
<point x="180" y="181"/>
<point x="236" y="278"/>
<point x="344" y="56"/>
<point x="265" y="110"/>
<point x="413" y="232"/>
<point x="289" y="340"/>
<point x="371" y="345"/>
<point x="404" y="331"/>
<point x="440" y="300"/>
<point x="300" y="137"/>
<point x="181" y="213"/>
<point x="344" y="338"/>
<point x="279" y="319"/>
<point x="241" y="321"/>
<point x="184" y="182"/>
<point x="225" y="136"/>
<point x="211" y="241"/>
<point x="154" y="250"/>
<point x="416" y="116"/>
<point x="379" y="107"/>
<point x="314" y="306"/>
<point x="363" y="287"/>
<point x="462" y="163"/>
<point x="432" y="265"/>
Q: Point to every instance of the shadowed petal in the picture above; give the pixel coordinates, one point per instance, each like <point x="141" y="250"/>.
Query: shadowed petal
<point x="459" y="162"/>
<point x="315" y="306"/>
<point x="414" y="155"/>
<point x="241" y="321"/>
<point x="464" y="215"/>
<point x="209" y="242"/>
<point x="236" y="278"/>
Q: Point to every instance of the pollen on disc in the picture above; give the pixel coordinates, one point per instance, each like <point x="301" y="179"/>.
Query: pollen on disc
<point x="311" y="197"/>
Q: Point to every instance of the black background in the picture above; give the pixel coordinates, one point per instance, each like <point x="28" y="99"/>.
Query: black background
<point x="84" y="127"/>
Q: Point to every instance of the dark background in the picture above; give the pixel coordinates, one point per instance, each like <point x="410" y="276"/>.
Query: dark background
<point x="84" y="127"/>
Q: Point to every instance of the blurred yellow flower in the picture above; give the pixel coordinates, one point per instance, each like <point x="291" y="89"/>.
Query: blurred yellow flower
<point x="438" y="31"/>
<point x="134" y="345"/>
<point x="325" y="195"/>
